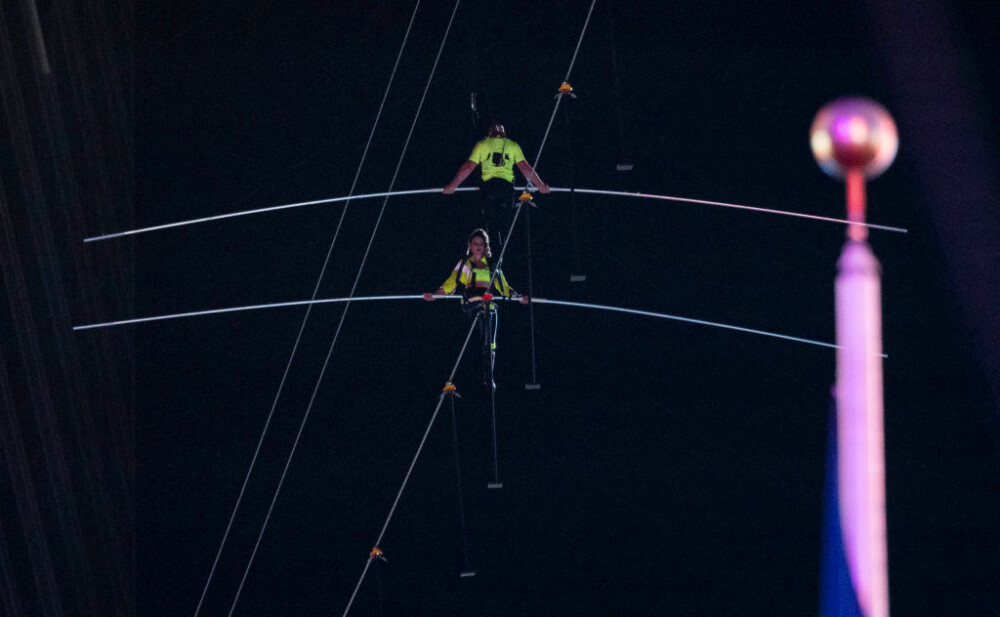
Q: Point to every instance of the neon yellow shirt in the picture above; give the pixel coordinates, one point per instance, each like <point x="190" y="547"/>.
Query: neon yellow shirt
<point x="496" y="157"/>
<point x="477" y="277"/>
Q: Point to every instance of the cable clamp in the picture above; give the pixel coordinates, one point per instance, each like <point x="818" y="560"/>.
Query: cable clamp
<point x="450" y="389"/>
<point x="377" y="554"/>
<point x="565" y="88"/>
<point x="487" y="305"/>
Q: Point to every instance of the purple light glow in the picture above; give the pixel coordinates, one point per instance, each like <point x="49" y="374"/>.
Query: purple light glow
<point x="853" y="133"/>
<point x="860" y="437"/>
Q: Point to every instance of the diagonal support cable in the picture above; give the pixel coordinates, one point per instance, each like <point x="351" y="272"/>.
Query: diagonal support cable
<point x="343" y="314"/>
<point x="461" y="353"/>
<point x="538" y="158"/>
<point x="305" y="319"/>
<point x="565" y="80"/>
<point x="409" y="471"/>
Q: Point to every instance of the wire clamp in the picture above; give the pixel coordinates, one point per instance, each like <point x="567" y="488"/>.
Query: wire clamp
<point x="450" y="389"/>
<point x="565" y="88"/>
<point x="377" y="554"/>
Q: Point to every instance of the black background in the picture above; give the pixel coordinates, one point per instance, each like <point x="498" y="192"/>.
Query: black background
<point x="663" y="467"/>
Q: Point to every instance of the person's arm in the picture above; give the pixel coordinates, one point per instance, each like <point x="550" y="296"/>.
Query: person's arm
<point x="447" y="288"/>
<point x="502" y="286"/>
<point x="531" y="176"/>
<point x="463" y="172"/>
<point x="505" y="290"/>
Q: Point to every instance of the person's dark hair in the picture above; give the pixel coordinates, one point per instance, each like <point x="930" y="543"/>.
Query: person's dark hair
<point x="496" y="130"/>
<point x="480" y="233"/>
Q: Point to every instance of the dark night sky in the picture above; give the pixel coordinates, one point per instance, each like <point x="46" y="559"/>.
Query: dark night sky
<point x="663" y="468"/>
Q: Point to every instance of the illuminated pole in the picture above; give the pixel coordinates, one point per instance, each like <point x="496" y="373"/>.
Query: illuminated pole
<point x="855" y="139"/>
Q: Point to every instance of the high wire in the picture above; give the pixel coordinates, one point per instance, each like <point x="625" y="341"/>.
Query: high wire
<point x="343" y="314"/>
<point x="251" y="307"/>
<point x="725" y="205"/>
<point x="600" y="307"/>
<point x="349" y="198"/>
<point x="702" y="322"/>
<point x="298" y="338"/>
<point x="261" y="210"/>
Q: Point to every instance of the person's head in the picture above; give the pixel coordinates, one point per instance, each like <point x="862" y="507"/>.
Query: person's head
<point x="479" y="244"/>
<point x="496" y="129"/>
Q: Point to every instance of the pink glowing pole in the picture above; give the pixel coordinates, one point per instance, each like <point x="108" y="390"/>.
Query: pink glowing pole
<point x="855" y="139"/>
